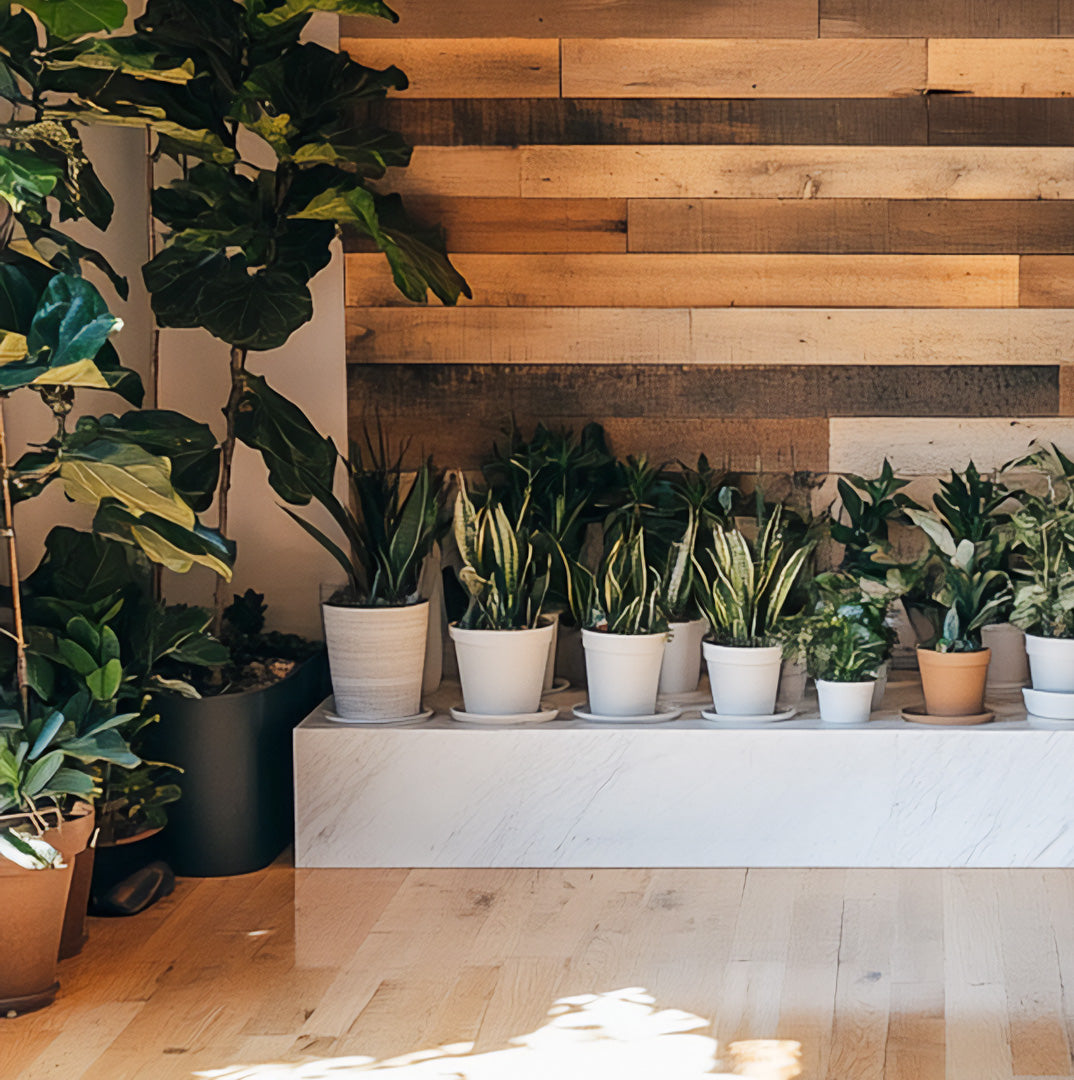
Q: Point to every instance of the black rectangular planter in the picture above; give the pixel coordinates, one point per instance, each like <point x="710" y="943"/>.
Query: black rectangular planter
<point x="237" y="810"/>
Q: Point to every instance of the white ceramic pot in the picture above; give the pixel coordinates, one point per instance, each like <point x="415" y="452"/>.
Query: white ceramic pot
<point x="623" y="672"/>
<point x="1051" y="662"/>
<point x="1049" y="704"/>
<point x="744" y="681"/>
<point x="792" y="685"/>
<point x="376" y="656"/>
<point x="880" y="684"/>
<point x="550" y="618"/>
<point x="502" y="671"/>
<point x="845" y="702"/>
<point x="1009" y="667"/>
<point x="681" y="670"/>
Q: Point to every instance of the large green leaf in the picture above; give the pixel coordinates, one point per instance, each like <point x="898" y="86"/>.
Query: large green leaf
<point x="67" y="255"/>
<point x="81" y="566"/>
<point x="25" y="177"/>
<point x="272" y="14"/>
<point x="129" y="55"/>
<point x="21" y="284"/>
<point x="69" y="19"/>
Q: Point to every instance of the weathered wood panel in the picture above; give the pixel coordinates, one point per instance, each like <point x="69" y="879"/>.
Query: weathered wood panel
<point x="849" y="226"/>
<point x="629" y="67"/>
<point x="900" y="121"/>
<point x="948" y="18"/>
<point x="737" y="336"/>
<point x="596" y="18"/>
<point x="1046" y="281"/>
<point x="1021" y="68"/>
<point x="714" y="280"/>
<point x="467" y="67"/>
<point x="740" y="172"/>
<point x="965" y="120"/>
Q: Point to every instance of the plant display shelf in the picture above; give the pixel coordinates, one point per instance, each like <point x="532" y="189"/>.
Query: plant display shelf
<point x="799" y="793"/>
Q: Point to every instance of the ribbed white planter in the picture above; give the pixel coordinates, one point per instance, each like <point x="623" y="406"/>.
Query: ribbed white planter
<point x="622" y="672"/>
<point x="1009" y="666"/>
<point x="376" y="656"/>
<point x="502" y="671"/>
<point x="551" y="618"/>
<point x="680" y="671"/>
<point x="880" y="684"/>
<point x="744" y="681"/>
<point x="1051" y="662"/>
<point x="845" y="702"/>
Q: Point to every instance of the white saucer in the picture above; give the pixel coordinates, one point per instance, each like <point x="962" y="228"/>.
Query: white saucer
<point x="417" y="718"/>
<point x="507" y="720"/>
<point x="653" y="718"/>
<point x="714" y="717"/>
<point x="558" y="686"/>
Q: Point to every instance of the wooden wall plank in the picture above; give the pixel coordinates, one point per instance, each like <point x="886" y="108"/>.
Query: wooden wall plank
<point x="467" y="67"/>
<point x="1046" y="281"/>
<point x="750" y="172"/>
<point x="1066" y="390"/>
<point x="993" y="68"/>
<point x="627" y="390"/>
<point x="900" y="121"/>
<point x="927" y="18"/>
<point x="849" y="226"/>
<point x="714" y="280"/>
<point x="737" y="336"/>
<point x="669" y="67"/>
<point x="965" y="120"/>
<point x="596" y="18"/>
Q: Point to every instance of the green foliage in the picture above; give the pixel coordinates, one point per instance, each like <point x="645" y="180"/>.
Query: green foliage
<point x="134" y="801"/>
<point x="743" y="585"/>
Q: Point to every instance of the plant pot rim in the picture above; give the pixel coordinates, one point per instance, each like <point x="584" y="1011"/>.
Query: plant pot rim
<point x="299" y="665"/>
<point x="455" y="630"/>
<point x="375" y="607"/>
<point x="846" y="682"/>
<point x="742" y="648"/>
<point x="962" y="653"/>
<point x="1048" y="637"/>
<point x="145" y="834"/>
<point x="687" y="622"/>
<point x="624" y="637"/>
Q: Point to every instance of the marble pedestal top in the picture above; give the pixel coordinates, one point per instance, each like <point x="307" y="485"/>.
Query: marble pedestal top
<point x="687" y="793"/>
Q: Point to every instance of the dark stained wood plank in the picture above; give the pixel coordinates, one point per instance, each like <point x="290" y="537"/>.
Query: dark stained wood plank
<point x="967" y="120"/>
<point x="598" y="18"/>
<point x="429" y="391"/>
<point x="519" y="225"/>
<point x="1046" y="281"/>
<point x="939" y="18"/>
<point x="658" y="121"/>
<point x="852" y="226"/>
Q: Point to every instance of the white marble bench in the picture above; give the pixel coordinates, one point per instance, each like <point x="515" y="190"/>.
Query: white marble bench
<point x="686" y="793"/>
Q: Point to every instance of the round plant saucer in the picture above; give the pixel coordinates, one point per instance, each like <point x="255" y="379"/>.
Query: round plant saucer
<point x="390" y="721"/>
<point x="1049" y="704"/>
<point x="916" y="714"/>
<point x="558" y="687"/>
<point x="582" y="712"/>
<point x="504" y="720"/>
<point x="713" y="717"/>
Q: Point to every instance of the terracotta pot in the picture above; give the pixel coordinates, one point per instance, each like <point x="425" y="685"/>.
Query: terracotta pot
<point x="33" y="904"/>
<point x="74" y="917"/>
<point x="954" y="683"/>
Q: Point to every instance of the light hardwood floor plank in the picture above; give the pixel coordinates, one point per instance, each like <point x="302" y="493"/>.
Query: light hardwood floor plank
<point x="1002" y="68"/>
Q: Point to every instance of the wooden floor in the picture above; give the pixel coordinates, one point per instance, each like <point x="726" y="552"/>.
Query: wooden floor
<point x="902" y="975"/>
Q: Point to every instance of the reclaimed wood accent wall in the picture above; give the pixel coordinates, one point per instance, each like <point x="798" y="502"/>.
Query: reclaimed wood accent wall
<point x="772" y="230"/>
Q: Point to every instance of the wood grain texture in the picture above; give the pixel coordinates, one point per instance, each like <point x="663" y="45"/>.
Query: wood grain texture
<point x="713" y="280"/>
<point x="467" y="67"/>
<point x="902" y="121"/>
<point x="851" y="226"/>
<point x="596" y="18"/>
<point x="741" y="172"/>
<point x="1066" y="390"/>
<point x="737" y="336"/>
<point x="965" y="120"/>
<point x="1046" y="281"/>
<point x="954" y="18"/>
<point x="989" y="68"/>
<point x="669" y="67"/>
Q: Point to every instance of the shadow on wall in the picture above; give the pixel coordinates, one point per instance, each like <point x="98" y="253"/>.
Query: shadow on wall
<point x="620" y="1033"/>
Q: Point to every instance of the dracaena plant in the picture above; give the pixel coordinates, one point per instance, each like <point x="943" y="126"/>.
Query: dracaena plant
<point x="274" y="157"/>
<point x="503" y="570"/>
<point x="744" y="585"/>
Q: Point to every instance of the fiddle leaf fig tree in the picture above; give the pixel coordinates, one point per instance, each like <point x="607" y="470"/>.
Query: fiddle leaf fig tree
<point x="275" y="158"/>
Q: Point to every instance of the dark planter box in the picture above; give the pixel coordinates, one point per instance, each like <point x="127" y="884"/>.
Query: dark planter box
<point x="237" y="810"/>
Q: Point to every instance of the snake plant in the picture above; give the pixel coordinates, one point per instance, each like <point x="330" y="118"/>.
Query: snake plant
<point x="503" y="572"/>
<point x="744" y="585"/>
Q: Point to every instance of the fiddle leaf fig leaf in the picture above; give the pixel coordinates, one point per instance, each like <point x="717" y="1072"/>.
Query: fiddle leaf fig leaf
<point x="129" y="55"/>
<point x="25" y="177"/>
<point x="69" y="19"/>
<point x="104" y="682"/>
<point x="66" y="255"/>
<point x="274" y="15"/>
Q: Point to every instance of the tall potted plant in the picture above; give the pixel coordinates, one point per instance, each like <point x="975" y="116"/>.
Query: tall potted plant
<point x="501" y="642"/>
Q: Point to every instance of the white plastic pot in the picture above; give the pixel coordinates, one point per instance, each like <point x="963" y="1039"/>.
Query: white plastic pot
<point x="1009" y="667"/>
<point x="502" y="671"/>
<point x="792" y="685"/>
<point x="880" y="684"/>
<point x="1051" y="661"/>
<point x="681" y="670"/>
<point x="552" y="619"/>
<point x="845" y="702"/>
<point x="376" y="656"/>
<point x="623" y="672"/>
<point x="744" y="680"/>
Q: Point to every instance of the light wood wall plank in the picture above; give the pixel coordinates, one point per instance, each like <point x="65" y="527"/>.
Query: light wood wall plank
<point x="927" y="18"/>
<point x="596" y="18"/>
<point x="1046" y="281"/>
<point x="736" y="336"/>
<point x="714" y="280"/>
<point x="991" y="68"/>
<point x="480" y="67"/>
<point x="632" y="67"/>
<point x="742" y="172"/>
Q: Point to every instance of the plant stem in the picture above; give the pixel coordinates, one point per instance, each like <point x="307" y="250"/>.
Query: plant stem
<point x="238" y="366"/>
<point x="13" y="570"/>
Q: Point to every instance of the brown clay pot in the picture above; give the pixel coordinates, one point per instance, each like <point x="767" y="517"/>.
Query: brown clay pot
<point x="954" y="683"/>
<point x="33" y="904"/>
<point x="74" y="917"/>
